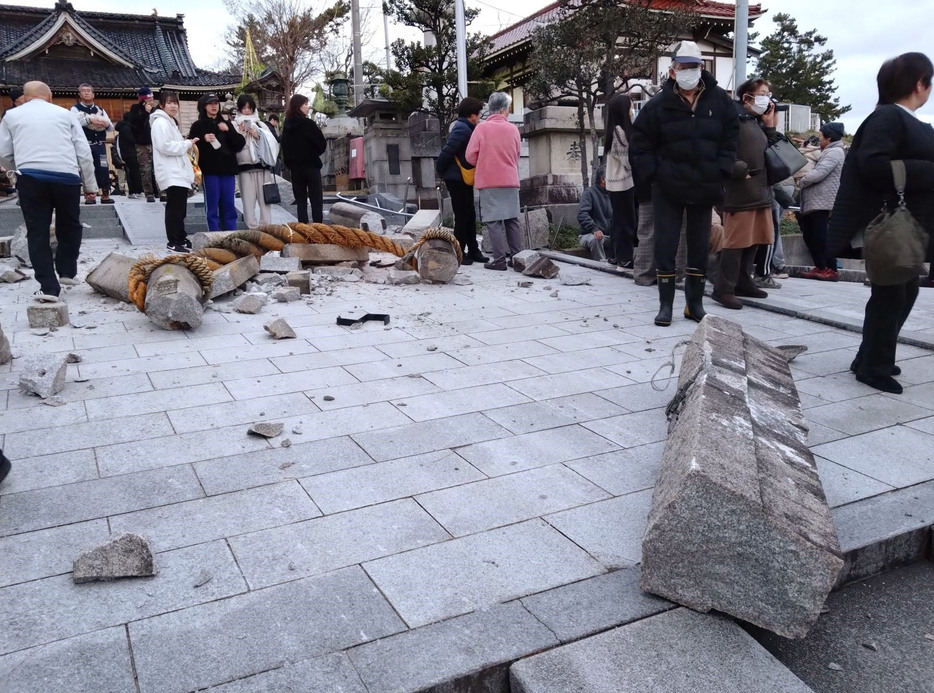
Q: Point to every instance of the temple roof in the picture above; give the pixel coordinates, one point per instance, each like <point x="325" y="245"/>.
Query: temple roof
<point x="64" y="47"/>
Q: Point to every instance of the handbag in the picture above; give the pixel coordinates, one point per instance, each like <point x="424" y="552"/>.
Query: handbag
<point x="467" y="174"/>
<point x="894" y="244"/>
<point x="271" y="194"/>
<point x="782" y="160"/>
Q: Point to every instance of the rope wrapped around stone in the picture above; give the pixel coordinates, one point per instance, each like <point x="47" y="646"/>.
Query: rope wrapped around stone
<point x="442" y="234"/>
<point x="147" y="264"/>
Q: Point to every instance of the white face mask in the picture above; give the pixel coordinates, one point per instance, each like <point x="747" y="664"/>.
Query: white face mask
<point x="688" y="79"/>
<point x="760" y="104"/>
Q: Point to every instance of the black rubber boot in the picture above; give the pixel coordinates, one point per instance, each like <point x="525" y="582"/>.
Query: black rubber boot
<point x="5" y="466"/>
<point x="694" y="294"/>
<point x="666" y="299"/>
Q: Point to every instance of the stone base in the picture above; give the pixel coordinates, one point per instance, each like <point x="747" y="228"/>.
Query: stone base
<point x="549" y="189"/>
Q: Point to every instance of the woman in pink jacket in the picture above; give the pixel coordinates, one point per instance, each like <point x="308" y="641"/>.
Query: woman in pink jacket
<point x="494" y="150"/>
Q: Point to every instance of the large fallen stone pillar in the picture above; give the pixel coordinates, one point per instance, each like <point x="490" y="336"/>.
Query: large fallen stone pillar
<point x="233" y="275"/>
<point x="111" y="276"/>
<point x="437" y="261"/>
<point x="354" y="217"/>
<point x="739" y="520"/>
<point x="174" y="298"/>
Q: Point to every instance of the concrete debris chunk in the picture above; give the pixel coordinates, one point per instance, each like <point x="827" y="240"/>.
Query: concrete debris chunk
<point x="399" y="277"/>
<point x="280" y="329"/>
<point x="47" y="315"/>
<point x="43" y="375"/>
<point x="6" y="354"/>
<point x="72" y="357"/>
<point x="12" y="276"/>
<point x="300" y="279"/>
<point x="127" y="555"/>
<point x="233" y="275"/>
<point x="277" y="263"/>
<point x="739" y="521"/>
<point x="572" y="279"/>
<point x="542" y="267"/>
<point x="792" y="351"/>
<point x="266" y="429"/>
<point x="250" y="303"/>
<point x="287" y="294"/>
<point x="523" y="259"/>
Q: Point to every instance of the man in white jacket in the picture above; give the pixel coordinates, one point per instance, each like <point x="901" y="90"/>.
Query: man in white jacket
<point x="45" y="145"/>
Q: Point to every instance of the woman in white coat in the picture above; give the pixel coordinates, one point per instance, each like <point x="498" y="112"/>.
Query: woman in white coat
<point x="254" y="171"/>
<point x="173" y="169"/>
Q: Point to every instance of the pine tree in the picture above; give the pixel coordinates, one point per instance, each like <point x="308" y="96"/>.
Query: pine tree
<point x="798" y="70"/>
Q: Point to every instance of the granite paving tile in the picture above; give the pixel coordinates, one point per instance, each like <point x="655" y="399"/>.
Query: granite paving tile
<point x="88" y="500"/>
<point x="573" y="383"/>
<point x="171" y="450"/>
<point x="622" y="471"/>
<point x="428" y="436"/>
<point x="47" y="552"/>
<point x="926" y="425"/>
<point x="586" y="358"/>
<point x="366" y="337"/>
<point x="361" y="419"/>
<point x="632" y="430"/>
<point x="336" y="541"/>
<point x="498" y="335"/>
<point x="218" y="517"/>
<point x="248" y="634"/>
<point x="843" y="485"/>
<point x="98" y="662"/>
<point x="856" y="416"/>
<point x="326" y="359"/>
<point x="84" y="391"/>
<point x="332" y="672"/>
<point x="453" y="402"/>
<point x="50" y="470"/>
<point x="836" y="387"/>
<point x="158" y="400"/>
<point x="830" y="362"/>
<point x="356" y="394"/>
<point x="898" y="456"/>
<point x="264" y="386"/>
<point x="553" y="413"/>
<point x="391" y="368"/>
<point x="444" y="344"/>
<point x="504" y="500"/>
<point x="818" y="433"/>
<point x="227" y="413"/>
<point x="28" y="419"/>
<point x="538" y="449"/>
<point x="385" y="481"/>
<point x="270" y="350"/>
<point x="590" y="606"/>
<point x="475" y="572"/>
<point x="42" y="611"/>
<point x="480" y="355"/>
<point x="922" y="395"/>
<point x="47" y="441"/>
<point x="611" y="531"/>
<point x="458" y="649"/>
<point x="588" y="341"/>
<point x="195" y="342"/>
<point x="916" y="371"/>
<point x="485" y="374"/>
<point x="639" y="397"/>
<point x="871" y="520"/>
<point x="150" y="364"/>
<point x="199" y="375"/>
<point x="225" y="474"/>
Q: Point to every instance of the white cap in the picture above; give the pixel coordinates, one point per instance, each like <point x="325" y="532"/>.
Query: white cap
<point x="686" y="52"/>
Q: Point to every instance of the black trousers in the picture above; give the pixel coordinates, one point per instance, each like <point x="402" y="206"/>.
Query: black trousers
<point x="624" y="223"/>
<point x="134" y="181"/>
<point x="37" y="200"/>
<point x="886" y="311"/>
<point x="176" y="206"/>
<point x="101" y="170"/>
<point x="465" y="215"/>
<point x="668" y="218"/>
<point x="306" y="184"/>
<point x="814" y="229"/>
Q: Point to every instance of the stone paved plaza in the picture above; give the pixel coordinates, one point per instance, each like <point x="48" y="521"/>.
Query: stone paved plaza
<point x="462" y="488"/>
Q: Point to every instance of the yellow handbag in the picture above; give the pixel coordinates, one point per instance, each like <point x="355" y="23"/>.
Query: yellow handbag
<point x="467" y="174"/>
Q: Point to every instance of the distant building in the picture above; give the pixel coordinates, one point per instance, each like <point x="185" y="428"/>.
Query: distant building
<point x="116" y="53"/>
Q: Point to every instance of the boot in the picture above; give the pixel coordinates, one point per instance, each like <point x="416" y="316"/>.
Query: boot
<point x="694" y="282"/>
<point x="475" y="255"/>
<point x="666" y="298"/>
<point x="5" y="466"/>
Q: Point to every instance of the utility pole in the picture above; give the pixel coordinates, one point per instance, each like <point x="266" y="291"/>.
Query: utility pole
<point x="386" y="37"/>
<point x="357" y="53"/>
<point x="460" y="35"/>
<point x="740" y="43"/>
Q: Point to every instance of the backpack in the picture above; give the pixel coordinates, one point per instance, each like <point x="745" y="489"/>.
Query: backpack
<point x="115" y="156"/>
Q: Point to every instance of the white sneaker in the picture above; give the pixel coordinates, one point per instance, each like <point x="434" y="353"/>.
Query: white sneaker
<point x="68" y="281"/>
<point x="45" y="298"/>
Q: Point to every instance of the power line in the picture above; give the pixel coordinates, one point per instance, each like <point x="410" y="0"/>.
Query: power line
<point x="486" y="4"/>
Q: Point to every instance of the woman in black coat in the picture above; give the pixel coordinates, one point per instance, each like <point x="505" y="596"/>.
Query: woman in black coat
<point x="303" y="144"/>
<point x="218" y="144"/>
<point x="890" y="133"/>
<point x="465" y="214"/>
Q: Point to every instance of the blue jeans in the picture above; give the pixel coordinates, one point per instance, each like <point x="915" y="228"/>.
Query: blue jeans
<point x="219" y="204"/>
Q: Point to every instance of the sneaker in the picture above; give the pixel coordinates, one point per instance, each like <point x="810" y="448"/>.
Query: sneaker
<point x="135" y="196"/>
<point x="43" y="297"/>
<point x="188" y="243"/>
<point x="67" y="281"/>
<point x="767" y="283"/>
<point x="500" y="267"/>
<point x="477" y="256"/>
<point x="90" y="200"/>
<point x="815" y="273"/>
<point x="780" y="273"/>
<point x="829" y="275"/>
<point x="150" y="198"/>
<point x="625" y="265"/>
<point x="177" y="248"/>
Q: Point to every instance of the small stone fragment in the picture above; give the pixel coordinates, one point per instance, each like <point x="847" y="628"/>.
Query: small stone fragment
<point x="554" y="294"/>
<point x="286" y="465"/>
<point x="524" y="285"/>
<point x="43" y="375"/>
<point x="286" y="443"/>
<point x="398" y="277"/>
<point x="571" y="279"/>
<point x="297" y="430"/>
<point x="287" y="294"/>
<point x="291" y="565"/>
<point x="72" y="357"/>
<point x="12" y="276"/>
<point x="55" y="401"/>
<point x="432" y="348"/>
<point x="871" y="646"/>
<point x="204" y="577"/>
<point x="792" y="351"/>
<point x="280" y="329"/>
<point x="833" y="666"/>
<point x="266" y="429"/>
<point x="328" y="398"/>
<point x="127" y="555"/>
<point x="250" y="304"/>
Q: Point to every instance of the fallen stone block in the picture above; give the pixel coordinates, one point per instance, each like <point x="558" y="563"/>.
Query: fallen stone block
<point x="324" y="253"/>
<point x="128" y="555"/>
<point x="275" y="263"/>
<point x="537" y="230"/>
<point x="269" y="280"/>
<point x="423" y="219"/>
<point x="523" y="259"/>
<point x="6" y="243"/>
<point x="12" y="276"/>
<point x="280" y="329"/>
<point x="792" y="351"/>
<point x="571" y="279"/>
<point x="300" y="280"/>
<point x="174" y="298"/>
<point x="233" y="275"/>
<point x="337" y="271"/>
<point x="542" y="267"/>
<point x="354" y="217"/>
<point x="111" y="277"/>
<point x="43" y="374"/>
<point x="6" y="354"/>
<point x="675" y="651"/>
<point x="739" y="520"/>
<point x="437" y="261"/>
<point x="250" y="303"/>
<point x="397" y="276"/>
<point x="47" y="315"/>
<point x="266" y="429"/>
<point x="287" y="294"/>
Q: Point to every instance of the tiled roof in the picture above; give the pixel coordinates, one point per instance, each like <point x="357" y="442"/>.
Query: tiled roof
<point x="521" y="31"/>
<point x="155" y="47"/>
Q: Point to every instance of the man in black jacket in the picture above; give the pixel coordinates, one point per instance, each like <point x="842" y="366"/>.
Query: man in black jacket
<point x="127" y="146"/>
<point x="684" y="146"/>
<point x="139" y="121"/>
<point x="595" y="215"/>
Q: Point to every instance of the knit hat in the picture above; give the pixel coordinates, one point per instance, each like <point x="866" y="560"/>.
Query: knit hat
<point x="832" y="131"/>
<point x="15" y="93"/>
<point x="144" y="93"/>
<point x="686" y="52"/>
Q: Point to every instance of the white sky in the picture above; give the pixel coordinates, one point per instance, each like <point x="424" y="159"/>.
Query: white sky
<point x="862" y="33"/>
